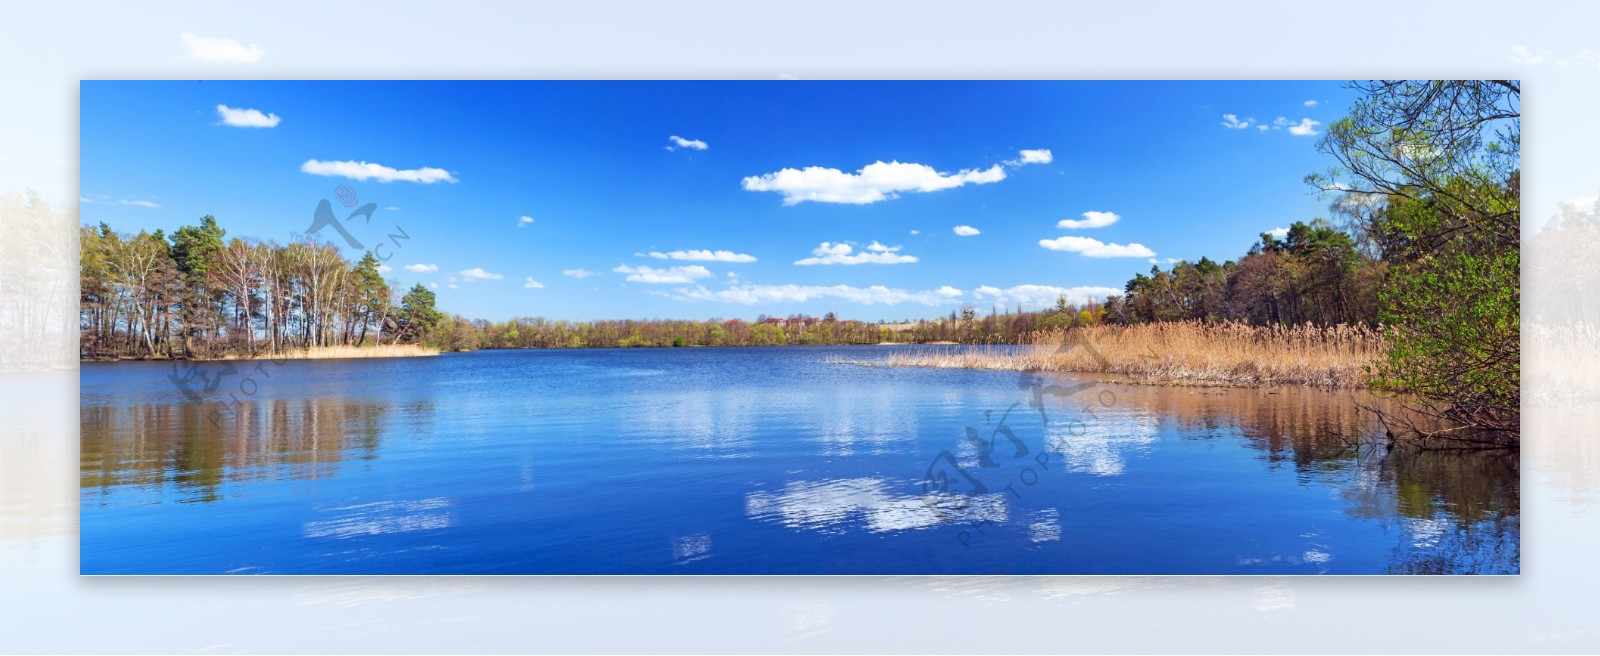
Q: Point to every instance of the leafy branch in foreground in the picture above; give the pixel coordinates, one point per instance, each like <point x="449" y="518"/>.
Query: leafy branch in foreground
<point x="1428" y="177"/>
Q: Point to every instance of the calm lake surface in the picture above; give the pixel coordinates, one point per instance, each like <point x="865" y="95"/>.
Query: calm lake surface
<point x="754" y="460"/>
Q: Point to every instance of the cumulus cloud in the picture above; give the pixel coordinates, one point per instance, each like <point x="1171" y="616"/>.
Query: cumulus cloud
<point x="949" y="292"/>
<point x="523" y="221"/>
<point x="1039" y="296"/>
<point x="246" y="118"/>
<point x="916" y="232"/>
<point x="1279" y="232"/>
<point x="965" y="230"/>
<point x="217" y="49"/>
<point x="874" y="182"/>
<point x="691" y="144"/>
<point x="677" y="274"/>
<point x="580" y="274"/>
<point x="477" y="273"/>
<point x="421" y="268"/>
<point x="364" y="171"/>
<point x="1090" y="220"/>
<point x="384" y="268"/>
<point x="1038" y="156"/>
<point x="1095" y="248"/>
<point x="1306" y="128"/>
<point x="704" y="255"/>
<point x="873" y="295"/>
<point x="1312" y="103"/>
<point x="842" y="253"/>
<point x="530" y="283"/>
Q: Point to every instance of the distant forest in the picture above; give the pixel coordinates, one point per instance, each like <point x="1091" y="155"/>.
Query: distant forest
<point x="197" y="293"/>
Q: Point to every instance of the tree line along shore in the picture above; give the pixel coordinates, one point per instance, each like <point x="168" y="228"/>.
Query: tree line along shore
<point x="1410" y="285"/>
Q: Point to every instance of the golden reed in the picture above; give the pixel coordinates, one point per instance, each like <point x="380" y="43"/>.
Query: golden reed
<point x="1182" y="353"/>
<point x="341" y="352"/>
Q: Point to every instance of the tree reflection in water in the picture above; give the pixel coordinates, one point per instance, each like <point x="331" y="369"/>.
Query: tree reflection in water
<point x="1457" y="511"/>
<point x="155" y="446"/>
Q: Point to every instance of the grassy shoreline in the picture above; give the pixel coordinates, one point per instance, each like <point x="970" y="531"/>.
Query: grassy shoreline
<point x="1180" y="353"/>
<point x="317" y="353"/>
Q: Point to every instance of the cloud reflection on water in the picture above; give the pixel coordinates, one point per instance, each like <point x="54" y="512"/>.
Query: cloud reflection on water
<point x="836" y="506"/>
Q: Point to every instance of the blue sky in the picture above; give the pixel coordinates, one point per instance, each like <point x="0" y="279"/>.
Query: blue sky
<point x="651" y="199"/>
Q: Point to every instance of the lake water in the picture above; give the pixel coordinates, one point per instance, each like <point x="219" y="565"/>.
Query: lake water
<point x="754" y="460"/>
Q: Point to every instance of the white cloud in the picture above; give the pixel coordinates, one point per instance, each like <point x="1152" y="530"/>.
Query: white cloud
<point x="677" y="274"/>
<point x="872" y="183"/>
<point x="1037" y="156"/>
<point x="523" y="221"/>
<point x="965" y="230"/>
<point x="1095" y="248"/>
<point x="246" y="118"/>
<point x="433" y="285"/>
<point x="1306" y="128"/>
<point x="704" y="255"/>
<point x="916" y="232"/>
<point x="1521" y="55"/>
<point x="1279" y="232"/>
<point x="384" y="268"/>
<point x="141" y="203"/>
<point x="692" y="144"/>
<point x="477" y="273"/>
<point x="217" y="49"/>
<point x="949" y="292"/>
<point x="452" y="286"/>
<point x="1039" y="296"/>
<point x="1090" y="220"/>
<point x="1232" y="122"/>
<point x="421" y="268"/>
<point x="1350" y="199"/>
<point x="530" y="283"/>
<point x="1262" y="128"/>
<point x="580" y="274"/>
<point x="842" y="253"/>
<point x="391" y="208"/>
<point x="873" y="295"/>
<point x="366" y="171"/>
<point x="1312" y="103"/>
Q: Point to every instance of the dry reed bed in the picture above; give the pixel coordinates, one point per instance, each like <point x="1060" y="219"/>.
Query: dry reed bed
<point x="1560" y="361"/>
<point x="344" y="352"/>
<point x="1182" y="353"/>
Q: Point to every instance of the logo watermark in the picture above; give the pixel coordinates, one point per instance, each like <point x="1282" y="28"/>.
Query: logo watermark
<point x="204" y="380"/>
<point x="324" y="217"/>
<point x="950" y="489"/>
